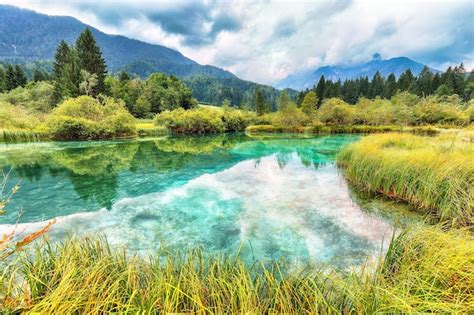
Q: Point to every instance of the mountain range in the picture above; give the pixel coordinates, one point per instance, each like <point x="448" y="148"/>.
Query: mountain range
<point x="307" y="79"/>
<point x="29" y="37"/>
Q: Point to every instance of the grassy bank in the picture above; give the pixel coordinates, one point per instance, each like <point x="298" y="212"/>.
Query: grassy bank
<point x="435" y="174"/>
<point x="425" y="270"/>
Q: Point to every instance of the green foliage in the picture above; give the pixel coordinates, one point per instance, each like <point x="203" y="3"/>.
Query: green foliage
<point x="310" y="103"/>
<point x="290" y="118"/>
<point x="205" y="120"/>
<point x="260" y="107"/>
<point x="86" y="118"/>
<point x="35" y="96"/>
<point x="335" y="111"/>
<point x="433" y="174"/>
<point x="425" y="270"/>
<point x="16" y="117"/>
<point x="90" y="59"/>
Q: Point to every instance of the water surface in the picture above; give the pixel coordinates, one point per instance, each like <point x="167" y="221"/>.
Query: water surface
<point x="278" y="196"/>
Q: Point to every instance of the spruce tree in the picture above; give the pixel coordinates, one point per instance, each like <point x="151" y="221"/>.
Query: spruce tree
<point x="390" y="87"/>
<point x="123" y="76"/>
<point x="3" y="86"/>
<point x="321" y="89"/>
<point x="406" y="80"/>
<point x="10" y="78"/>
<point x="376" y="86"/>
<point x="424" y="82"/>
<point x="259" y="102"/>
<point x="90" y="59"/>
<point x="66" y="72"/>
<point x="20" y="76"/>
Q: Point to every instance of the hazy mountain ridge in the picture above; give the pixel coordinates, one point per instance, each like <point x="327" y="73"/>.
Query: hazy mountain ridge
<point x="308" y="79"/>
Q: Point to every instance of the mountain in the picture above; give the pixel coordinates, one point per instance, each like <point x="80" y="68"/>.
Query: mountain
<point x="28" y="37"/>
<point x="308" y="79"/>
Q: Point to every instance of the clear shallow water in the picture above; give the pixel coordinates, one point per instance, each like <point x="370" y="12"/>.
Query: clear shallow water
<point x="278" y="196"/>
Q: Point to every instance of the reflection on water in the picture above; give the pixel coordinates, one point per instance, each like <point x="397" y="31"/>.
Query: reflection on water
<point x="281" y="197"/>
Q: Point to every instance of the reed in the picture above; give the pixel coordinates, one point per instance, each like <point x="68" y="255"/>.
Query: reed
<point x="424" y="270"/>
<point x="19" y="135"/>
<point x="434" y="174"/>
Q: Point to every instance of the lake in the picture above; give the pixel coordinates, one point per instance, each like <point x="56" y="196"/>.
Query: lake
<point x="274" y="197"/>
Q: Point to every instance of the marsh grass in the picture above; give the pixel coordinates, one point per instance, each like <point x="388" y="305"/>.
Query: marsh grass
<point x="435" y="174"/>
<point x="19" y="135"/>
<point x="425" y="270"/>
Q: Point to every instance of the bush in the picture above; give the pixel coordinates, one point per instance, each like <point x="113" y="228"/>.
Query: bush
<point x="16" y="117"/>
<point x="36" y="96"/>
<point x="263" y="128"/>
<point x="204" y="120"/>
<point x="335" y="111"/>
<point x="86" y="118"/>
<point x="291" y="118"/>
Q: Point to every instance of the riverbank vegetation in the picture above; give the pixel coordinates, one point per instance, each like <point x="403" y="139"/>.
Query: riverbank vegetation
<point x="434" y="174"/>
<point x="425" y="270"/>
<point x="361" y="105"/>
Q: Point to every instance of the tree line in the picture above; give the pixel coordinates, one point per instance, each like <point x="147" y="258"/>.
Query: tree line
<point x="453" y="81"/>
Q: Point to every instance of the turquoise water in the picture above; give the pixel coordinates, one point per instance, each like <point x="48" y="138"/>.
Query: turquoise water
<point x="277" y="196"/>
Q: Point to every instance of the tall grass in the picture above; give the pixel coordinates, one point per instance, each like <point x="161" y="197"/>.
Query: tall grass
<point x="425" y="270"/>
<point x="435" y="174"/>
<point x="19" y="135"/>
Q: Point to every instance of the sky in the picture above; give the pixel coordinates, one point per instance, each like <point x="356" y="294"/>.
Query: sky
<point x="267" y="40"/>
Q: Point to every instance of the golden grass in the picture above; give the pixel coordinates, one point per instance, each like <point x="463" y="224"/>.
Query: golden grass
<point x="435" y="174"/>
<point x="425" y="270"/>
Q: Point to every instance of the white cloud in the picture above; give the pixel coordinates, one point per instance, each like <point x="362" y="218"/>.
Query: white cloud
<point x="264" y="49"/>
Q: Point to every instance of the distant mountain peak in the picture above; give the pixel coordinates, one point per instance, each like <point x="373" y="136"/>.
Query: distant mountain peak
<point x="307" y="79"/>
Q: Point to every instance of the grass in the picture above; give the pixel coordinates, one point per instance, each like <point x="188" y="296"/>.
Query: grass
<point x="147" y="128"/>
<point x="425" y="270"/>
<point x="19" y="135"/>
<point x="434" y="174"/>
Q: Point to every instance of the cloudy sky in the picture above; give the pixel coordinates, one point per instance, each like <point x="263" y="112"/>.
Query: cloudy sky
<point x="266" y="40"/>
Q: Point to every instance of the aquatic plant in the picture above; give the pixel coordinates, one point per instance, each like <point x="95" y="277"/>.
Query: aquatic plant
<point x="435" y="174"/>
<point x="425" y="270"/>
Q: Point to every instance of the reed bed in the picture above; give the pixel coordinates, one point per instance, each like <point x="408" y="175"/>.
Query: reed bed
<point x="424" y="270"/>
<point x="434" y="174"/>
<point x="20" y="135"/>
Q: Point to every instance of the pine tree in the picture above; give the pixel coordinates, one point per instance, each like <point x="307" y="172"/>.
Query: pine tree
<point x="20" y="76"/>
<point x="310" y="103"/>
<point x="259" y="102"/>
<point x="390" y="87"/>
<point x="123" y="76"/>
<point x="321" y="89"/>
<point x="424" y="82"/>
<point x="10" y="78"/>
<point x="364" y="87"/>
<point x="3" y="86"/>
<point x="406" y="80"/>
<point x="459" y="82"/>
<point x="376" y="86"/>
<point x="66" y="72"/>
<point x="90" y="59"/>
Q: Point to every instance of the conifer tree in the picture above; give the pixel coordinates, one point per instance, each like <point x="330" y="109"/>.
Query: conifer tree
<point x="10" y="78"/>
<point x="390" y="87"/>
<point x="20" y="76"/>
<point x="90" y="59"/>
<point x="259" y="102"/>
<point x="376" y="86"/>
<point x="3" y="86"/>
<point x="406" y="80"/>
<point x="424" y="82"/>
<point x="66" y="72"/>
<point x="321" y="89"/>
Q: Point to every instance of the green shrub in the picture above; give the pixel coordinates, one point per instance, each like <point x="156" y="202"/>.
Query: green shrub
<point x="335" y="111"/>
<point x="204" y="120"/>
<point x="86" y="118"/>
<point x="16" y="117"/>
